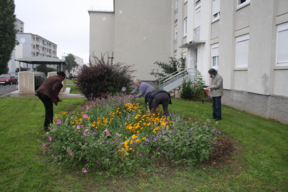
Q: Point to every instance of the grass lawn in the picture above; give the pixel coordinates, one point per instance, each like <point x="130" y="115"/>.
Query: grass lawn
<point x="71" y="82"/>
<point x="259" y="163"/>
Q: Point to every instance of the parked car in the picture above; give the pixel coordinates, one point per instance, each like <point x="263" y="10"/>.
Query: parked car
<point x="7" y="79"/>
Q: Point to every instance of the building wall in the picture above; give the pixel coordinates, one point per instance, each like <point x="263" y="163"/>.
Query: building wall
<point x="138" y="32"/>
<point x="102" y="33"/>
<point x="142" y="34"/>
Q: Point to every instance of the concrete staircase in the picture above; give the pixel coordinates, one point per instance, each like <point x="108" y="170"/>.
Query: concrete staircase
<point x="173" y="83"/>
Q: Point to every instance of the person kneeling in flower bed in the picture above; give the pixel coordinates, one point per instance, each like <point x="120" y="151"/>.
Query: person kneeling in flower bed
<point x="152" y="97"/>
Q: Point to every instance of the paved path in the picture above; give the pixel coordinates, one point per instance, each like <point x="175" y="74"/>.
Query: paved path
<point x="7" y="89"/>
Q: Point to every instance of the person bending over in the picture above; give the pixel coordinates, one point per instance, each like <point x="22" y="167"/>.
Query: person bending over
<point x="48" y="92"/>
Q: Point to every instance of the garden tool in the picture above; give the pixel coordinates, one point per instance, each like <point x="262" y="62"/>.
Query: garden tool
<point x="203" y="95"/>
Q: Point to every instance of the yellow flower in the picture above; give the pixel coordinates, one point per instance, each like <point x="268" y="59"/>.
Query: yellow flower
<point x="144" y="123"/>
<point x="126" y="137"/>
<point x="138" y="131"/>
<point x="144" y="138"/>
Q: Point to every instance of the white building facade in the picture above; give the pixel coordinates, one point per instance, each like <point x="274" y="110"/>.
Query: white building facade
<point x="31" y="45"/>
<point x="246" y="41"/>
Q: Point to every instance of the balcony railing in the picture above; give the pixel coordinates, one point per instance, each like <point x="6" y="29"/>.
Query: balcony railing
<point x="175" y="44"/>
<point x="176" y="15"/>
<point x="197" y="34"/>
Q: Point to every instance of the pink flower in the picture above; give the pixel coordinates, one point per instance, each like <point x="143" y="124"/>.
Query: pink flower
<point x="84" y="133"/>
<point x="43" y="145"/>
<point x="97" y="162"/>
<point x="84" y="171"/>
<point x="107" y="131"/>
<point x="50" y="139"/>
<point x="86" y="130"/>
<point x="85" y="116"/>
<point x="58" y="121"/>
<point x="71" y="153"/>
<point x="78" y="126"/>
<point x="44" y="151"/>
<point x="71" y="117"/>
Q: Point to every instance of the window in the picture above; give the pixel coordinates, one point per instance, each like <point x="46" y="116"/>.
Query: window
<point x="197" y="17"/>
<point x="215" y="10"/>
<point x="241" y="3"/>
<point x="176" y="33"/>
<point x="282" y="45"/>
<point x="242" y="51"/>
<point x="215" y="55"/>
<point x="185" y="27"/>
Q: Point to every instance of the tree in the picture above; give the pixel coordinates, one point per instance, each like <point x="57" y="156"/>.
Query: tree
<point x="7" y="33"/>
<point x="70" y="60"/>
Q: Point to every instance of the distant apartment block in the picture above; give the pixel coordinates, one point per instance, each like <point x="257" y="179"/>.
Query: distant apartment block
<point x="19" y="26"/>
<point x="32" y="45"/>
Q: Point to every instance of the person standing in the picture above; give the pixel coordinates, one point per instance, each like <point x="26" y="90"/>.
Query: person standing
<point x="48" y="92"/>
<point x="216" y="93"/>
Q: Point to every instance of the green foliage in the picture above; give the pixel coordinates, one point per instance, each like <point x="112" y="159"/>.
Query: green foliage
<point x="115" y="135"/>
<point x="70" y="60"/>
<point x="173" y="66"/>
<point x="7" y="33"/>
<point x="45" y="69"/>
<point x="190" y="90"/>
<point x="22" y="69"/>
<point x="187" y="88"/>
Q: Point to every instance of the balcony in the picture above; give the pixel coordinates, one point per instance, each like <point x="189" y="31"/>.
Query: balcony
<point x="175" y="45"/>
<point x="176" y="15"/>
<point x="197" y="34"/>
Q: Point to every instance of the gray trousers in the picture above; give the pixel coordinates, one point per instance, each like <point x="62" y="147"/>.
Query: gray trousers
<point x="160" y="98"/>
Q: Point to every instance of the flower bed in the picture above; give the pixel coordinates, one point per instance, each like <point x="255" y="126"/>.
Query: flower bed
<point x="117" y="134"/>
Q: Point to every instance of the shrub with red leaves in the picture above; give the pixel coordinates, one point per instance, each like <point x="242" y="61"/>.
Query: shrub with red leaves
<point x="103" y="77"/>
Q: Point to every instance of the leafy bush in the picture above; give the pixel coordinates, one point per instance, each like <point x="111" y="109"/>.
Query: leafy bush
<point x="174" y="65"/>
<point x="117" y="135"/>
<point x="102" y="77"/>
<point x="187" y="88"/>
<point x="190" y="90"/>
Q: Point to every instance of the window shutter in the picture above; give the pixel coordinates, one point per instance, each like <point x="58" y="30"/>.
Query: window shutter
<point x="197" y="18"/>
<point x="215" y="52"/>
<point x="216" y="6"/>
<point x="242" y="50"/>
<point x="282" y="53"/>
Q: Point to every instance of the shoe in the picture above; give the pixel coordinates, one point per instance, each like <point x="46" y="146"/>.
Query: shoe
<point x="217" y="119"/>
<point x="212" y="118"/>
<point x="46" y="129"/>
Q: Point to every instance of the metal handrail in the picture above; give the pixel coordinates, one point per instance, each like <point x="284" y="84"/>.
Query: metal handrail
<point x="168" y="75"/>
<point x="173" y="76"/>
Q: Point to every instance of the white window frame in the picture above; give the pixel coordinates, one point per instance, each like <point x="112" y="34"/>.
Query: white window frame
<point x="184" y="56"/>
<point x="239" y="4"/>
<point x="215" y="46"/>
<point x="238" y="40"/>
<point x="218" y="13"/>
<point x="185" y="27"/>
<point x="281" y="28"/>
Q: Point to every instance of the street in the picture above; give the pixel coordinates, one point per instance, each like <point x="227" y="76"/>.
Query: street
<point x="7" y="89"/>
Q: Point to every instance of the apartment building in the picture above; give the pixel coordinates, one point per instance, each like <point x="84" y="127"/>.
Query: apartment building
<point x="246" y="41"/>
<point x="138" y="32"/>
<point x="31" y="45"/>
<point x="19" y="26"/>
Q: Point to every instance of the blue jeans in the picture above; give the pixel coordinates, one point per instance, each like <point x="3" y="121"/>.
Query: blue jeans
<point x="216" y="106"/>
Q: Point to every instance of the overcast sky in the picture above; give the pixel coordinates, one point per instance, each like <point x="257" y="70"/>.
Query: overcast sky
<point x="64" y="22"/>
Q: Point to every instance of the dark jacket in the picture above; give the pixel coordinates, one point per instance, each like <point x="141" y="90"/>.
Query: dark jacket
<point x="51" y="88"/>
<point x="150" y="96"/>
